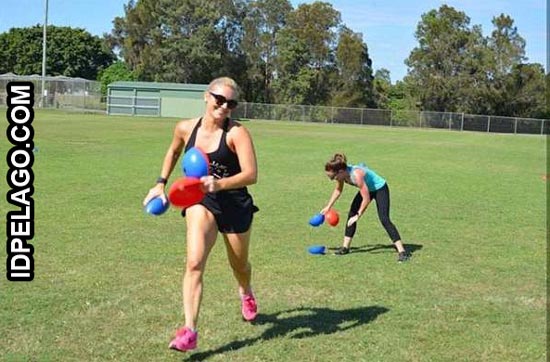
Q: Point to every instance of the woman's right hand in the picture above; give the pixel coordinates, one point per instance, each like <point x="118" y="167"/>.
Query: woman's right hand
<point x="210" y="184"/>
<point x="324" y="210"/>
<point x="157" y="190"/>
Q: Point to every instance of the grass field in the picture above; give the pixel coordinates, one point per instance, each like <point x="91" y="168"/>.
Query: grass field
<point x="107" y="286"/>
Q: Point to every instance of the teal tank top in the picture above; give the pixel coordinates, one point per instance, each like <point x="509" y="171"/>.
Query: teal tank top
<point x="373" y="180"/>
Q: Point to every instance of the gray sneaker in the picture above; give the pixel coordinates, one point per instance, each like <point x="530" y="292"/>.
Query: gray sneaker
<point x="342" y="251"/>
<point x="403" y="256"/>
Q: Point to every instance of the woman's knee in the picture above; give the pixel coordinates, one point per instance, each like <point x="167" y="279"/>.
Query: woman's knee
<point x="194" y="265"/>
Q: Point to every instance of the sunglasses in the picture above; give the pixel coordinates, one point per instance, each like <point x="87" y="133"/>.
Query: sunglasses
<point x="220" y="100"/>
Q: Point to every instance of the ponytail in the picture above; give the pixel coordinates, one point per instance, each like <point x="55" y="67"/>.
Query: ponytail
<point x="336" y="163"/>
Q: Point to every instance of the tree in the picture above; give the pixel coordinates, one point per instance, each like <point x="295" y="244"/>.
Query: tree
<point x="437" y="65"/>
<point x="118" y="71"/>
<point x="381" y="85"/>
<point x="507" y="46"/>
<point x="526" y="90"/>
<point x="402" y="96"/>
<point x="353" y="84"/>
<point x="262" y="23"/>
<point x="316" y="25"/>
<point x="188" y="41"/>
<point x="306" y="46"/>
<point x="455" y="68"/>
<point x="72" y="52"/>
<point x="294" y="79"/>
<point x="507" y="50"/>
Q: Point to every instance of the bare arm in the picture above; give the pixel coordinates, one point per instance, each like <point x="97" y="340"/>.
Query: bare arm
<point x="170" y="159"/>
<point x="365" y="194"/>
<point x="364" y="190"/>
<point x="174" y="150"/>
<point x="335" y="195"/>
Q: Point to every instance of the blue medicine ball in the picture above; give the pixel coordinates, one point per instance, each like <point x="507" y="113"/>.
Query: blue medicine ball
<point x="317" y="220"/>
<point x="195" y="163"/>
<point x="316" y="249"/>
<point x="156" y="206"/>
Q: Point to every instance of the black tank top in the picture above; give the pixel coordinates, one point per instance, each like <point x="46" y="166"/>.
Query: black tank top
<point x="223" y="162"/>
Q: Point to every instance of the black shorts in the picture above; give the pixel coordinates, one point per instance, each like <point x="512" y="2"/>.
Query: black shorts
<point x="232" y="209"/>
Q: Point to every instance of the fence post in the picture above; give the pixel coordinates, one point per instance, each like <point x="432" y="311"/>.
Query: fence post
<point x="450" y="117"/>
<point x="134" y="102"/>
<point x="420" y="119"/>
<point x="362" y="111"/>
<point x="542" y="127"/>
<point x="489" y="124"/>
<point x="516" y="125"/>
<point x="462" y="123"/>
<point x="391" y="116"/>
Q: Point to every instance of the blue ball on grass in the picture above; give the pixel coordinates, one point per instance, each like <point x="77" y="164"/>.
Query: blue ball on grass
<point x="316" y="249"/>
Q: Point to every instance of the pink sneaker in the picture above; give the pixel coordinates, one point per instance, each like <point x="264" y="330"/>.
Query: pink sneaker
<point x="249" y="307"/>
<point x="185" y="340"/>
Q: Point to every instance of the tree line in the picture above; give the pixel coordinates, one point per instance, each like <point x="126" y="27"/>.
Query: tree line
<point x="303" y="55"/>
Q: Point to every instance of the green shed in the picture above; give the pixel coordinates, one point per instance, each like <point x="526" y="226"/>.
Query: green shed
<point x="156" y="99"/>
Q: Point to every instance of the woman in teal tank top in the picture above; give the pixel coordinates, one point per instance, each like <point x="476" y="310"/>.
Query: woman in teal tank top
<point x="371" y="186"/>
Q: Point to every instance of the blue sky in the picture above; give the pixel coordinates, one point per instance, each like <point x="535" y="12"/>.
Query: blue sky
<point x="387" y="26"/>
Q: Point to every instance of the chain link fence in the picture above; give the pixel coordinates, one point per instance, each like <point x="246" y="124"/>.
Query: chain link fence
<point x="82" y="94"/>
<point x="59" y="92"/>
<point x="394" y="118"/>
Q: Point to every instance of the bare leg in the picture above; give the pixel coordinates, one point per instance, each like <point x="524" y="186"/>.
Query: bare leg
<point x="347" y="242"/>
<point x="201" y="237"/>
<point x="237" y="246"/>
<point x="399" y="246"/>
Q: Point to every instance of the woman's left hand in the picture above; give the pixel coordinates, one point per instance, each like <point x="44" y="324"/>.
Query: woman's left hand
<point x="353" y="219"/>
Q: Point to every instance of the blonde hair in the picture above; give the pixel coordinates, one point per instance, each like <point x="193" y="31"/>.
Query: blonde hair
<point x="336" y="163"/>
<point x="225" y="82"/>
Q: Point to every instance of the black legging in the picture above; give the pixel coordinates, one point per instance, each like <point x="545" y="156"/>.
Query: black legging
<point x="382" y="197"/>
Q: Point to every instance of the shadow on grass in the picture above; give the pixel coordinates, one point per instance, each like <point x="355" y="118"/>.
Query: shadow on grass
<point x="381" y="248"/>
<point x="299" y="323"/>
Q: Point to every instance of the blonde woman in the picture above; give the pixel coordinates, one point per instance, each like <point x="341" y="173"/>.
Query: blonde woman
<point x="227" y="208"/>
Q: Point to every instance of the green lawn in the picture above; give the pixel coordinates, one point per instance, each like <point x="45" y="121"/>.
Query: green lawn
<point x="107" y="285"/>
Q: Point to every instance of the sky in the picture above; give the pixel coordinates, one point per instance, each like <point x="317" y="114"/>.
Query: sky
<point x="387" y="26"/>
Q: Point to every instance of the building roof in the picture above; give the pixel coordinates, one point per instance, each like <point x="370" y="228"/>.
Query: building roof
<point x="158" y="85"/>
<point x="12" y="76"/>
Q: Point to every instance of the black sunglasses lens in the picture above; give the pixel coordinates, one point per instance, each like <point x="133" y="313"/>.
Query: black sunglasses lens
<point x="220" y="100"/>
